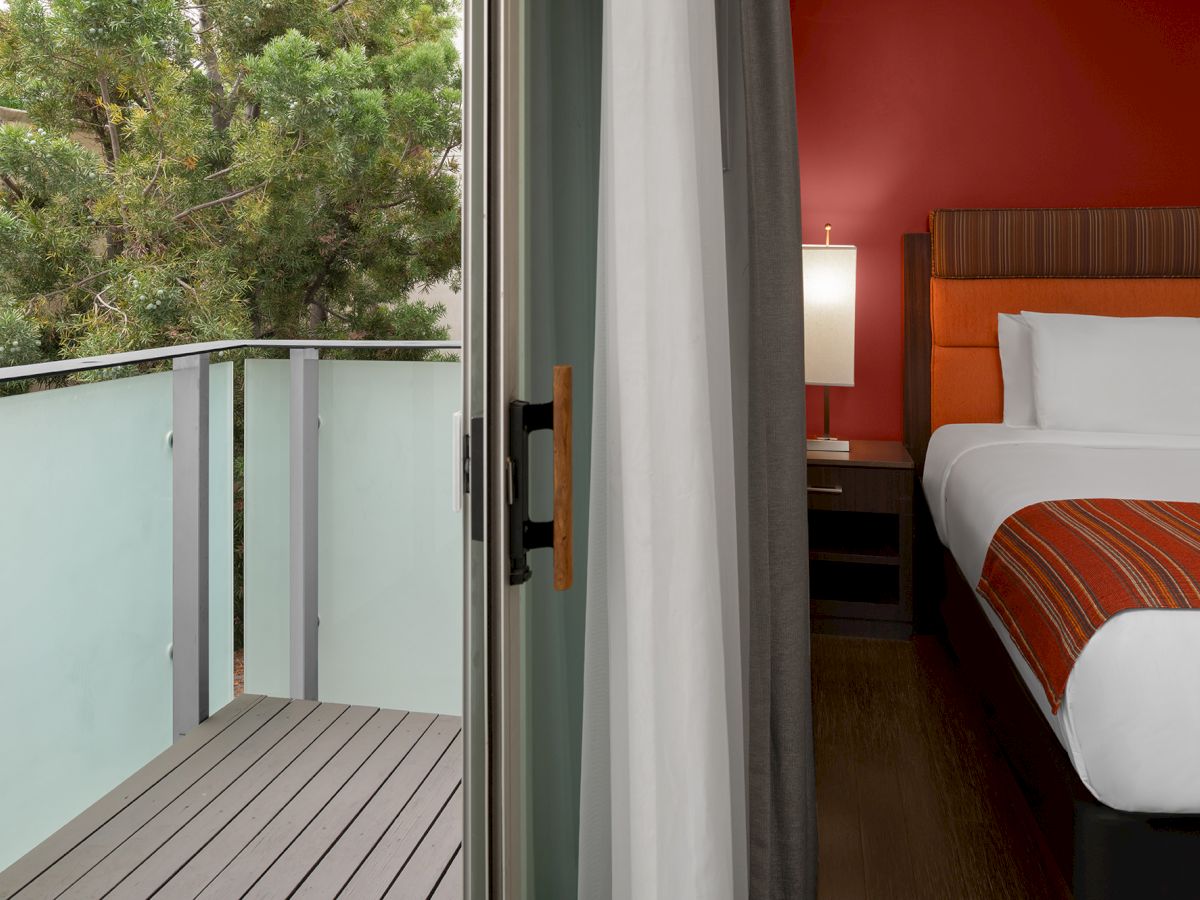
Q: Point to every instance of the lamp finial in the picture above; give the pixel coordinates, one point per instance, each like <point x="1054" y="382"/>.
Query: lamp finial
<point x="828" y="228"/>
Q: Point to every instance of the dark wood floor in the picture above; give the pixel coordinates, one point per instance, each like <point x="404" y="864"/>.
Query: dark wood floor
<point x="913" y="799"/>
<point x="271" y="798"/>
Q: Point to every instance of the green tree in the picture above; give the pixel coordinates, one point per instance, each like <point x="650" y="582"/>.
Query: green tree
<point x="210" y="169"/>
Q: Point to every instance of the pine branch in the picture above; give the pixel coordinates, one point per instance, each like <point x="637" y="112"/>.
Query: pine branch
<point x="78" y="284"/>
<point x="232" y="100"/>
<point x="220" y="201"/>
<point x="12" y="186"/>
<point x="393" y="203"/>
<point x="219" y="173"/>
<point x="212" y="70"/>
<point x="331" y="312"/>
<point x="114" y="238"/>
<point x="446" y="156"/>
<point x="337" y="6"/>
<point x="153" y="178"/>
<point x="120" y="312"/>
<point x="114" y="136"/>
<point x="310" y="292"/>
<point x="317" y="312"/>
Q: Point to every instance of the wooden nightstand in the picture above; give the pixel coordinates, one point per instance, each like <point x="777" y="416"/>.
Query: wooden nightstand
<point x="860" y="539"/>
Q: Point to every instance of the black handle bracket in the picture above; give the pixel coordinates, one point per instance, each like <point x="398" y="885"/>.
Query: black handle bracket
<point x="473" y="476"/>
<point x="523" y="534"/>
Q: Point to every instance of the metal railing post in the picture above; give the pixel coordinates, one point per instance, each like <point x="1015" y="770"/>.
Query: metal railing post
<point x="189" y="565"/>
<point x="304" y="393"/>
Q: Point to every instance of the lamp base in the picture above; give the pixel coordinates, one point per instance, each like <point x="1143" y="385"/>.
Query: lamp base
<point x="829" y="445"/>
<point x="827" y="442"/>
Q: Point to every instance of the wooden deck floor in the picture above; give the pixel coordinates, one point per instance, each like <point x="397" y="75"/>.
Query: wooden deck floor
<point x="272" y="798"/>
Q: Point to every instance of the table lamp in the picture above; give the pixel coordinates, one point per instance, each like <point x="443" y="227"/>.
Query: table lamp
<point x="829" y="272"/>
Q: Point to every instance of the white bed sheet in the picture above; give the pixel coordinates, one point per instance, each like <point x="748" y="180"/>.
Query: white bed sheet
<point x="1130" y="718"/>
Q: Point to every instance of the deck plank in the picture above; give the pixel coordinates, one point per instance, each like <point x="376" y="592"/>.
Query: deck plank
<point x="67" y="838"/>
<point x="136" y="848"/>
<point x="433" y="855"/>
<point x="272" y="798"/>
<point x="256" y="857"/>
<point x="80" y="860"/>
<point x="294" y="864"/>
<point x="356" y="842"/>
<point x="202" y="868"/>
<point x="172" y="851"/>
<point x="451" y="885"/>
<point x="396" y="846"/>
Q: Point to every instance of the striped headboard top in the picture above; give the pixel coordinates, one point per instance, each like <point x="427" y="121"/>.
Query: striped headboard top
<point x="1132" y="242"/>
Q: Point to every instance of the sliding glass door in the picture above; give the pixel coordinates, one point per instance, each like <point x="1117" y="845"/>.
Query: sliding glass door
<point x="530" y="227"/>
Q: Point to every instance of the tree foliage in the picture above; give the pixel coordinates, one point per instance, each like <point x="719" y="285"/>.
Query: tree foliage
<point x="211" y="169"/>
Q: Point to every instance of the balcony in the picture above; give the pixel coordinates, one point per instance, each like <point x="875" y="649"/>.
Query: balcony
<point x="340" y="767"/>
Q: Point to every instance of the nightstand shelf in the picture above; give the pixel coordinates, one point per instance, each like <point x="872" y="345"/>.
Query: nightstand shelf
<point x="876" y="587"/>
<point x="867" y="538"/>
<point x="859" y="559"/>
<point x="860" y="540"/>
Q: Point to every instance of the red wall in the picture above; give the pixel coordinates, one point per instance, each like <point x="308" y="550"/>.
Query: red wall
<point x="903" y="107"/>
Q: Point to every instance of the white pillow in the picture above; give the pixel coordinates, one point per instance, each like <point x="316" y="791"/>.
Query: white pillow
<point x="1016" y="365"/>
<point x="1094" y="373"/>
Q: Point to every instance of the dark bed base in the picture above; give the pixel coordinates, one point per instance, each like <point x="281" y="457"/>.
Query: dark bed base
<point x="1103" y="854"/>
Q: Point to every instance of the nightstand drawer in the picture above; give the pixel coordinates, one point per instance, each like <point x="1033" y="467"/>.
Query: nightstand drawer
<point x="859" y="489"/>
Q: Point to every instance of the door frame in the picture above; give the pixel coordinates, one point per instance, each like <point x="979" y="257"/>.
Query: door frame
<point x="504" y="238"/>
<point x="506" y="107"/>
<point x="494" y="88"/>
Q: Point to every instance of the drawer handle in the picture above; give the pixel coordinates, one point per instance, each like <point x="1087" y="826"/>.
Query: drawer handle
<point x="836" y="489"/>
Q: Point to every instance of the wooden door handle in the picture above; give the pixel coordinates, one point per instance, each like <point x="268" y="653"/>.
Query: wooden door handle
<point x="525" y="534"/>
<point x="564" y="548"/>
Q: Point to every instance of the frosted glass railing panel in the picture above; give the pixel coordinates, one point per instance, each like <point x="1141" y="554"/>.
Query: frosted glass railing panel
<point x="390" y="558"/>
<point x="85" y="592"/>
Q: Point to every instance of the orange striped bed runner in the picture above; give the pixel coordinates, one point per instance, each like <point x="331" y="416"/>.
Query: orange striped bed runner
<point x="1056" y="571"/>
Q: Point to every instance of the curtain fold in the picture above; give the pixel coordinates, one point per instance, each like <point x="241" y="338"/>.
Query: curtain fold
<point x="782" y="809"/>
<point x="697" y="770"/>
<point x="662" y="792"/>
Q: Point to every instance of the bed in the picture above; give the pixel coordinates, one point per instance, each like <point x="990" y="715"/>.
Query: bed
<point x="1111" y="766"/>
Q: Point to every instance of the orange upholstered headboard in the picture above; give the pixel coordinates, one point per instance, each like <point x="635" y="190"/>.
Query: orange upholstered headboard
<point x="975" y="264"/>
<point x="965" y="383"/>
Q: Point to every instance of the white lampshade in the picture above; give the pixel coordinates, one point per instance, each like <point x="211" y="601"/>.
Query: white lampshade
<point x="829" y="314"/>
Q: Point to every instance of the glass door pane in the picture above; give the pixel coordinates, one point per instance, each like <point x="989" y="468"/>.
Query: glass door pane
<point x="544" y="160"/>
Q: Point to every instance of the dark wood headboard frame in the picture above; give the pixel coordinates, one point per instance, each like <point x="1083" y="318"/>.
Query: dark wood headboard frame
<point x="917" y="264"/>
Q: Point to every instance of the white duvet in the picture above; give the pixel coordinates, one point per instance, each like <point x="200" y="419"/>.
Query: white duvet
<point x="1130" y="718"/>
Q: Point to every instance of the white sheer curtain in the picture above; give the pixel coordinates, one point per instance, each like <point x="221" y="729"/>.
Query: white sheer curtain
<point x="663" y="791"/>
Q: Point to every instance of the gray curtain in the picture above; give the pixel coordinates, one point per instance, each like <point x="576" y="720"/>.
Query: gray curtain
<point x="767" y="331"/>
